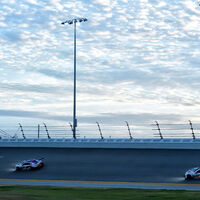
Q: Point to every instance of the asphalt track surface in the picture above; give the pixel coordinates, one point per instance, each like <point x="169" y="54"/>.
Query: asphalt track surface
<point x="112" y="165"/>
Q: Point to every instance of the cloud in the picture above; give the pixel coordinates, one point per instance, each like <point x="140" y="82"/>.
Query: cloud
<point x="55" y="73"/>
<point x="103" y="3"/>
<point x="49" y="89"/>
<point x="104" y="118"/>
<point x="12" y="37"/>
<point x="35" y="2"/>
<point x="138" y="118"/>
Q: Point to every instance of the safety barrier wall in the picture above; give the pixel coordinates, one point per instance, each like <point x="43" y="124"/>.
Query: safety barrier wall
<point x="104" y="143"/>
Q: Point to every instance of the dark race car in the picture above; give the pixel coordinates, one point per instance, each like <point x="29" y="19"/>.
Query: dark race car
<point x="30" y="164"/>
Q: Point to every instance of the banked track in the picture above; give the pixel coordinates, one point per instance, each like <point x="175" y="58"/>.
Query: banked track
<point x="120" y="166"/>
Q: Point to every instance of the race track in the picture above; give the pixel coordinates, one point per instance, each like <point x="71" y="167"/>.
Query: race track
<point x="125" y="165"/>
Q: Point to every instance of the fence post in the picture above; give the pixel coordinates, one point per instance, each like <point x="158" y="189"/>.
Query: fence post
<point x="101" y="135"/>
<point x="71" y="128"/>
<point x="191" y="127"/>
<point x="47" y="131"/>
<point x="22" y="131"/>
<point x="160" y="134"/>
<point x="129" y="131"/>
<point x="38" y="131"/>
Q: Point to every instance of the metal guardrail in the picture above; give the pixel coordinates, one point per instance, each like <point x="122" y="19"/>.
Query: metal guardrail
<point x="101" y="131"/>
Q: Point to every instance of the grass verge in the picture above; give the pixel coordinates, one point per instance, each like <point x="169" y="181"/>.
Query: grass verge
<point x="65" y="193"/>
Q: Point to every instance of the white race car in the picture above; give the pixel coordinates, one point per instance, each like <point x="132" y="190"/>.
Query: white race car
<point x="30" y="164"/>
<point x="193" y="173"/>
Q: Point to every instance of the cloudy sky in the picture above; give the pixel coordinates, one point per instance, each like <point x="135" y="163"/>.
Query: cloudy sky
<point x="136" y="61"/>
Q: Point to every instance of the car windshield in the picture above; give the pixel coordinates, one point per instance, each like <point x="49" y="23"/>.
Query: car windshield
<point x="34" y="161"/>
<point x="26" y="164"/>
<point x="195" y="168"/>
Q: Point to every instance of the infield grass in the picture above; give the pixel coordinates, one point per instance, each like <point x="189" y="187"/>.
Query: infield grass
<point x="62" y="193"/>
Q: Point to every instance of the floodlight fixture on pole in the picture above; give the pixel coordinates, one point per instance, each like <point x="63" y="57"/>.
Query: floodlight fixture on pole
<point x="74" y="21"/>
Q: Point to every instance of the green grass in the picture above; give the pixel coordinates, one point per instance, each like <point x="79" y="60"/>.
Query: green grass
<point x="62" y="193"/>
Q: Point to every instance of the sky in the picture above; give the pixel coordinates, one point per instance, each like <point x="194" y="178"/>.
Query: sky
<point x="137" y="61"/>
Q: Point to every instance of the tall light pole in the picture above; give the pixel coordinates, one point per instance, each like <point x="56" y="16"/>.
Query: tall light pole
<point x="74" y="21"/>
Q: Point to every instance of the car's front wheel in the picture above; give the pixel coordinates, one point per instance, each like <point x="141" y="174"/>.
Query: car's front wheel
<point x="17" y="169"/>
<point x="188" y="177"/>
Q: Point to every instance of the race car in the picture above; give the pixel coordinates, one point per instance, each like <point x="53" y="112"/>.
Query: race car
<point x="193" y="173"/>
<point x="30" y="164"/>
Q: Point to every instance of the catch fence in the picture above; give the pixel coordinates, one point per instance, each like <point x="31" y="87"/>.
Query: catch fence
<point x="104" y="131"/>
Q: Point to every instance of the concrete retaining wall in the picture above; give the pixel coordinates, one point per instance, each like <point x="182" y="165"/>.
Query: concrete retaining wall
<point x="104" y="143"/>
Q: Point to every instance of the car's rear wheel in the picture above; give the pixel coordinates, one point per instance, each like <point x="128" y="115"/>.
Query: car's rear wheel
<point x="189" y="177"/>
